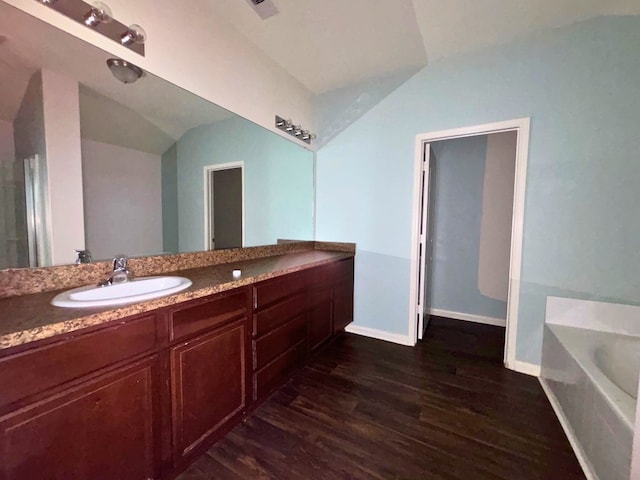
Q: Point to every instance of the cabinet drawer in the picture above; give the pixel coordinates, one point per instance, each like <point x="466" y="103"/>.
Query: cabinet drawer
<point x="273" y="290"/>
<point x="34" y="371"/>
<point x="278" y="341"/>
<point x="215" y="312"/>
<point x="320" y="294"/>
<point x="279" y="370"/>
<point x="275" y="316"/>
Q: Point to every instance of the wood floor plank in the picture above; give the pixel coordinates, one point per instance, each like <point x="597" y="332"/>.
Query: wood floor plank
<point x="366" y="409"/>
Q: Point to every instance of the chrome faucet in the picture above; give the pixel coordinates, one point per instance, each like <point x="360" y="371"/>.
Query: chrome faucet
<point x="120" y="274"/>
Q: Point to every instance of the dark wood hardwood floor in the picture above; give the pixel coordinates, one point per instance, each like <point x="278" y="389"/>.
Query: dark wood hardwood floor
<point x="367" y="409"/>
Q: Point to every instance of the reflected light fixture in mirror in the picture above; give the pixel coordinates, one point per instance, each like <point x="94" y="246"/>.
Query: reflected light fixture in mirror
<point x="124" y="71"/>
<point x="296" y="131"/>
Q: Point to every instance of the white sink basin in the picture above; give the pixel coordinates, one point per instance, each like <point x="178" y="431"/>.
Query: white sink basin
<point x="136" y="290"/>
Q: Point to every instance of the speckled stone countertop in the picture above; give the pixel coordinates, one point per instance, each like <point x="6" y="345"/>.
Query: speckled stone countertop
<point x="28" y="318"/>
<point x="25" y="281"/>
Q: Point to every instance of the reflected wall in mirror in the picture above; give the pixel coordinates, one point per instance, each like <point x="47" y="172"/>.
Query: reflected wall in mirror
<point x="123" y="168"/>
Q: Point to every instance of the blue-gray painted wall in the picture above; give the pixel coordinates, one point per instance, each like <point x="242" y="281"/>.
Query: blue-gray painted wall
<point x="170" y="200"/>
<point x="278" y="182"/>
<point x="581" y="87"/>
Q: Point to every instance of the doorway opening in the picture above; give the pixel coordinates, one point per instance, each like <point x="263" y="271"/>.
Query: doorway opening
<point x="224" y="206"/>
<point x="423" y="234"/>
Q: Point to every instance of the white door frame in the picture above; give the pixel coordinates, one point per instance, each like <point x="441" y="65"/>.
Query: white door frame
<point x="207" y="170"/>
<point x="521" y="127"/>
<point x="423" y="240"/>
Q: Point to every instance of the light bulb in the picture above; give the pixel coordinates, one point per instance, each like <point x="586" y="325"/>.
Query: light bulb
<point x="135" y="34"/>
<point x="99" y="13"/>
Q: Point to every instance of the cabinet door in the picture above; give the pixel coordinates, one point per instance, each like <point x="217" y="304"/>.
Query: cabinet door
<point x="101" y="429"/>
<point x="343" y="295"/>
<point x="208" y="386"/>
<point x="320" y="328"/>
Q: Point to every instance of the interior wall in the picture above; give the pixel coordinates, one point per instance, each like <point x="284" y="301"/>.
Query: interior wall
<point x="208" y="57"/>
<point x="123" y="200"/>
<point x="8" y="253"/>
<point x="579" y="86"/>
<point x="497" y="213"/>
<point x="338" y="108"/>
<point x="278" y="178"/>
<point x="458" y="220"/>
<point x="64" y="165"/>
<point x="170" y="242"/>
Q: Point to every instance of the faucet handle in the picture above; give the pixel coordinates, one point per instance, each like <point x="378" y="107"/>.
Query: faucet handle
<point x="83" y="256"/>
<point x="120" y="262"/>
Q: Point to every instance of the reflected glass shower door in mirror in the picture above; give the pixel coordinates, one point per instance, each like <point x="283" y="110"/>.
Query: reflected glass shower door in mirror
<point x="144" y="147"/>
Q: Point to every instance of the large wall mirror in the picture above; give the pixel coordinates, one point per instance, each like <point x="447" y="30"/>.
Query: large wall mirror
<point x="162" y="170"/>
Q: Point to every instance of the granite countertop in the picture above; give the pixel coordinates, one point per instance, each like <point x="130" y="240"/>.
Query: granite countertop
<point x="29" y="318"/>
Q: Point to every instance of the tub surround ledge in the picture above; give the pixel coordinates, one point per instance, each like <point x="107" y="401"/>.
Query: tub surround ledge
<point x="597" y="415"/>
<point x="28" y="317"/>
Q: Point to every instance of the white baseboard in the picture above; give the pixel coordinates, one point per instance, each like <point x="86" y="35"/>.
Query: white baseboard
<point x="526" y="368"/>
<point x="500" y="322"/>
<point x="571" y="436"/>
<point x="379" y="334"/>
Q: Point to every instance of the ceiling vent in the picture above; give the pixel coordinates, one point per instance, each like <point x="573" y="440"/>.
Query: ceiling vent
<point x="264" y="8"/>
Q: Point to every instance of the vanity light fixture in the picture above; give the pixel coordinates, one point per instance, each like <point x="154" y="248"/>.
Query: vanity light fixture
<point x="48" y="2"/>
<point x="99" y="13"/>
<point x="134" y="34"/>
<point x="294" y="130"/>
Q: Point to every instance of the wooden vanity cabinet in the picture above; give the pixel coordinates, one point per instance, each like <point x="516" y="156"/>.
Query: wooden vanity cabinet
<point x="342" y="294"/>
<point x="294" y="315"/>
<point x="85" y="407"/>
<point x="280" y="331"/>
<point x="209" y="371"/>
<point x="320" y="306"/>
<point x="140" y="398"/>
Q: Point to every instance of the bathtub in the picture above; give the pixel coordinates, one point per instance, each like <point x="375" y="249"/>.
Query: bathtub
<point x="591" y="379"/>
<point x="612" y="363"/>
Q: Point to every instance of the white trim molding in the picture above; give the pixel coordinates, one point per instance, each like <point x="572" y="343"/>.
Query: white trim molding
<point x="380" y="335"/>
<point x="468" y="317"/>
<point x="571" y="436"/>
<point x="521" y="126"/>
<point x="526" y="368"/>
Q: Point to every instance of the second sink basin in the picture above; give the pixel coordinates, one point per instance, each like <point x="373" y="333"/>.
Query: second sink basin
<point x="136" y="290"/>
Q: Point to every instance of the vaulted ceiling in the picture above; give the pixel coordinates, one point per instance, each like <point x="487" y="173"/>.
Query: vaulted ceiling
<point x="329" y="44"/>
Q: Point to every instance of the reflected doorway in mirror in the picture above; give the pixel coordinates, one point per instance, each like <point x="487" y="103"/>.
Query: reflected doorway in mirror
<point x="224" y="206"/>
